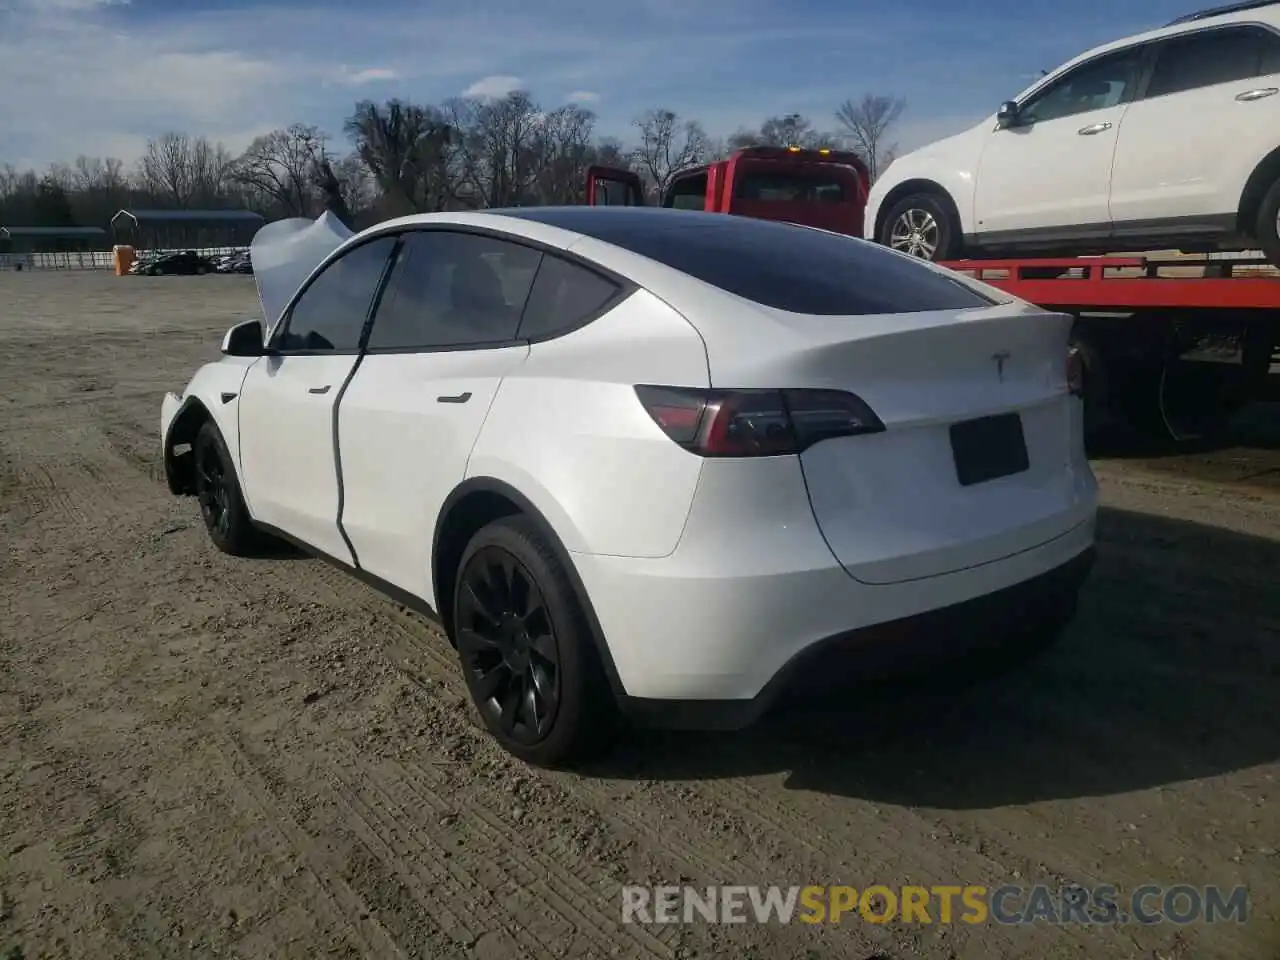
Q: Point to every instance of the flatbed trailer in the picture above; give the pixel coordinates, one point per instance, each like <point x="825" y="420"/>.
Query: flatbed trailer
<point x="1170" y="345"/>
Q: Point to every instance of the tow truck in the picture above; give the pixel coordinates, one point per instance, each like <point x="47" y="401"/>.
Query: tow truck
<point x="1171" y="346"/>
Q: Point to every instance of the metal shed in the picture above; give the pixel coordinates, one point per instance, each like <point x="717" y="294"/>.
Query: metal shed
<point x="65" y="247"/>
<point x="185" y="229"/>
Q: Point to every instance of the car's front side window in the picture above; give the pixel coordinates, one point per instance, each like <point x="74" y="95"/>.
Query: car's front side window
<point x="1103" y="82"/>
<point x="1210" y="57"/>
<point x="451" y="289"/>
<point x="330" y="313"/>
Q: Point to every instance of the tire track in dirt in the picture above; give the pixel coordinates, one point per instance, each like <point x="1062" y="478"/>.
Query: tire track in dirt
<point x="569" y="890"/>
<point x="331" y="897"/>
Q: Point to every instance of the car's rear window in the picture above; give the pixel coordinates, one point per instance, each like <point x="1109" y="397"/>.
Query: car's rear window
<point x="775" y="264"/>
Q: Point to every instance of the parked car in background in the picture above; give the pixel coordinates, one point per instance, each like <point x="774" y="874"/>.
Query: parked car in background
<point x="649" y="458"/>
<point x="237" y="262"/>
<point x="187" y="262"/>
<point x="1166" y="139"/>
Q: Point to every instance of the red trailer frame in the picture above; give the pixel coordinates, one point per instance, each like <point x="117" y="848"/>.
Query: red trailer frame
<point x="1129" y="283"/>
<point x="1173" y="354"/>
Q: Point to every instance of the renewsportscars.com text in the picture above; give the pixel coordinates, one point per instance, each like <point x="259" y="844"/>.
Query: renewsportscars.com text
<point x="1008" y="904"/>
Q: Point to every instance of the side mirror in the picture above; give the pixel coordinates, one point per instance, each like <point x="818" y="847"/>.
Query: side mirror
<point x="244" y="340"/>
<point x="1007" y="115"/>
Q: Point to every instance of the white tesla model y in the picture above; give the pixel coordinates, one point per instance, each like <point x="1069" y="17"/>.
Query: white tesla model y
<point x="653" y="459"/>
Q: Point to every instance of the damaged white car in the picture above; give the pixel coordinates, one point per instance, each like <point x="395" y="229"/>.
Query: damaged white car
<point x="660" y="460"/>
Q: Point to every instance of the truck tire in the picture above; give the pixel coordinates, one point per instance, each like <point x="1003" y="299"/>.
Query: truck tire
<point x="923" y="225"/>
<point x="1267" y="226"/>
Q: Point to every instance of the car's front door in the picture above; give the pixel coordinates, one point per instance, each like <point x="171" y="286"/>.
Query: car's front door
<point x="443" y="336"/>
<point x="1049" y="172"/>
<point x="287" y="403"/>
<point x="1213" y="94"/>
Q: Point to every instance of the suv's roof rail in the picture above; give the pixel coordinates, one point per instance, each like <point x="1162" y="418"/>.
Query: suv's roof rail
<point x="1238" y="7"/>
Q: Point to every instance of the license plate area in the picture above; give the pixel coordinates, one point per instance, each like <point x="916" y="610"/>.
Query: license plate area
<point x="989" y="447"/>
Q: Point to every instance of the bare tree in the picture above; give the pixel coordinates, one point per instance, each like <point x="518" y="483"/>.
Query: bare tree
<point x="358" y="189"/>
<point x="667" y="145"/>
<point x="867" y="123"/>
<point x="565" y="152"/>
<point x="792" y="130"/>
<point x="280" y="166"/>
<point x="405" y="147"/>
<point x="183" y="170"/>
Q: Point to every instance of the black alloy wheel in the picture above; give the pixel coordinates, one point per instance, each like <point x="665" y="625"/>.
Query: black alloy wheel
<point x="508" y="646"/>
<point x="213" y="491"/>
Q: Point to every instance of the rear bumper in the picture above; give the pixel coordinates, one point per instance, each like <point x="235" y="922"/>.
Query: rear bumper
<point x="1044" y="603"/>
<point x="752" y="586"/>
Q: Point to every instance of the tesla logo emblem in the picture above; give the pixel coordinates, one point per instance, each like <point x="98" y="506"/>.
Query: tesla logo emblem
<point x="1000" y="358"/>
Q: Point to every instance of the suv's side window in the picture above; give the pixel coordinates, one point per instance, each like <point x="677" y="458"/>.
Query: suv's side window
<point x="564" y="296"/>
<point x="1209" y="57"/>
<point x="1105" y="82"/>
<point x="330" y="314"/>
<point x="451" y="289"/>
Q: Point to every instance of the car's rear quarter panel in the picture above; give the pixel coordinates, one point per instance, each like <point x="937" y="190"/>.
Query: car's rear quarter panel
<point x="568" y="432"/>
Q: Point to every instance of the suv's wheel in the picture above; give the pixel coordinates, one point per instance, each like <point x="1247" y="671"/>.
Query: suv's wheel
<point x="922" y="225"/>
<point x="1267" y="227"/>
<point x="221" y="504"/>
<point x="526" y="648"/>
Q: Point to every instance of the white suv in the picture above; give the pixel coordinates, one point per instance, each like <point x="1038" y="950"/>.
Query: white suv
<point x="1170" y="138"/>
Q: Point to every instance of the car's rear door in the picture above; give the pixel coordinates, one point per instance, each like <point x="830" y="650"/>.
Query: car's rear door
<point x="286" y="406"/>
<point x="443" y="337"/>
<point x="1213" y="95"/>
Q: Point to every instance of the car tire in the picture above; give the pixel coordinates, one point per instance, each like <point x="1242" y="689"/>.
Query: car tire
<point x="222" y="506"/>
<point x="527" y="649"/>
<point x="924" y="225"/>
<point x="1266" y="228"/>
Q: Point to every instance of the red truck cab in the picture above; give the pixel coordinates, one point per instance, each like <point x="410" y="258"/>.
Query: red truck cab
<point x="816" y="188"/>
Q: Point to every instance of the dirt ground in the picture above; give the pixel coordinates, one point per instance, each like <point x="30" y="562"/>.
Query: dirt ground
<point x="206" y="757"/>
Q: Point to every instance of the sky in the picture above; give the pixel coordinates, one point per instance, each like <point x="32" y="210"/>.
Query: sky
<point x="98" y="77"/>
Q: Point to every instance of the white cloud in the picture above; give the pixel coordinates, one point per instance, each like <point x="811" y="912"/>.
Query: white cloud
<point x="358" y="78"/>
<point x="498" y="85"/>
<point x="583" y="96"/>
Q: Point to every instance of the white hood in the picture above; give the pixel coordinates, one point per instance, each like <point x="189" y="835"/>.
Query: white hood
<point x="283" y="255"/>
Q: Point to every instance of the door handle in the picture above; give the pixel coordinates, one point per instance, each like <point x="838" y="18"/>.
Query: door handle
<point x="459" y="398"/>
<point x="324" y="389"/>
<point x="1259" y="94"/>
<point x="1093" y="128"/>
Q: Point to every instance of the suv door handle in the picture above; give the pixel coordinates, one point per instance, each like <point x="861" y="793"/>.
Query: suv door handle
<point x="1094" y="128"/>
<point x="1258" y="94"/>
<point x="324" y="389"/>
<point x="460" y="398"/>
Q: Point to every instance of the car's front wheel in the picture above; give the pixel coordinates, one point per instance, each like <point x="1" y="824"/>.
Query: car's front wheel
<point x="922" y="225"/>
<point x="222" y="505"/>
<point x="526" y="647"/>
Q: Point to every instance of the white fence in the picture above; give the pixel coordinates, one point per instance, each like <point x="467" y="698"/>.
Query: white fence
<point x="90" y="259"/>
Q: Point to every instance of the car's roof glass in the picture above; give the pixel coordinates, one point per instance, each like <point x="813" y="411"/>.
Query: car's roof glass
<point x="778" y="265"/>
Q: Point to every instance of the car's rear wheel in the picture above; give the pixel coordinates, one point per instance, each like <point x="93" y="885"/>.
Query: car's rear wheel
<point x="527" y="651"/>
<point x="222" y="506"/>
<point x="923" y="225"/>
<point x="1267" y="227"/>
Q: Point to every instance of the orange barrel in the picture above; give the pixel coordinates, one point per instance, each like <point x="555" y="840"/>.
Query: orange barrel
<point x="122" y="259"/>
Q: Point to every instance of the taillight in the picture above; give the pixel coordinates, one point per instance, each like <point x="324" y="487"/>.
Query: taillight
<point x="1075" y="372"/>
<point x="755" y="423"/>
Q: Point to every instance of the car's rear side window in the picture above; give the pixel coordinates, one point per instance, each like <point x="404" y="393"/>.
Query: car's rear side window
<point x="778" y="265"/>
<point x="564" y="296"/>
<point x="1211" y="57"/>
